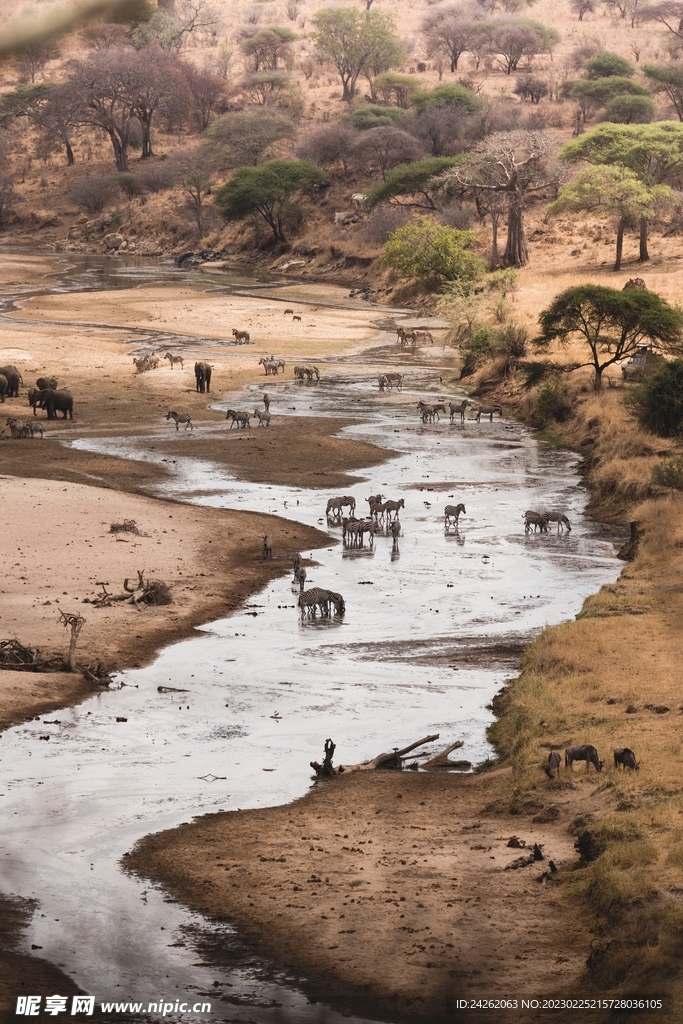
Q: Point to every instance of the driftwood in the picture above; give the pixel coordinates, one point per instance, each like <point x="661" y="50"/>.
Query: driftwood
<point x="326" y="770"/>
<point x="75" y="623"/>
<point x="442" y="760"/>
<point x="142" y="592"/>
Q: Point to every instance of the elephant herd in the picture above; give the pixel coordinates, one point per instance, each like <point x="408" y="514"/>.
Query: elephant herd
<point x="45" y="395"/>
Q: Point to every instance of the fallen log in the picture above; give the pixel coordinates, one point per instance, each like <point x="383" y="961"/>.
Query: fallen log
<point x="392" y="760"/>
<point x="443" y="762"/>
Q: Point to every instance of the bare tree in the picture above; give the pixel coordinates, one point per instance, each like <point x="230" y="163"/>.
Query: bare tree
<point x="195" y="182"/>
<point x="449" y="31"/>
<point x="104" y="36"/>
<point x="243" y="137"/>
<point x="513" y="164"/>
<point x="385" y="148"/>
<point x="205" y="93"/>
<point x="31" y="60"/>
<point x="669" y="14"/>
<point x="8" y="198"/>
<point x="107" y="86"/>
<point x="93" y="192"/>
<point x="154" y="74"/>
<point x="581" y="7"/>
<point x="329" y="147"/>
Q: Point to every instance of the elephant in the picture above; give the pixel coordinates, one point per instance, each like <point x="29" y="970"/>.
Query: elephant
<point x="202" y="372"/>
<point x="56" y="401"/>
<point x="33" y="396"/>
<point x="46" y="382"/>
<point x="3" y="387"/>
<point x="14" y="379"/>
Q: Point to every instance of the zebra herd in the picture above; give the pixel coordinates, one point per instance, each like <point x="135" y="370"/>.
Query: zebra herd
<point x="315" y="599"/>
<point x="271" y="365"/>
<point x="411" y="337"/>
<point x="430" y="413"/>
<point x="541" y="520"/>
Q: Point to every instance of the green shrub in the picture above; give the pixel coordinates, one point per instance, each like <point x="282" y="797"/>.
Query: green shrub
<point x="374" y="117"/>
<point x="553" y="401"/>
<point x="630" y="110"/>
<point x="658" y="401"/>
<point x="479" y="348"/>
<point x="534" y="372"/>
<point x="606" y="64"/>
<point x="669" y="473"/>
<point x="433" y="253"/>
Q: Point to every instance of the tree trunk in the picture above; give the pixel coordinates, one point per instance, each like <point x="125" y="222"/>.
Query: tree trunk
<point x="516" y="254"/>
<point x="644" y="254"/>
<point x="620" y="245"/>
<point x="597" y="383"/>
<point x="495" y="256"/>
<point x="70" y="159"/>
<point x="146" y="138"/>
<point x="120" y="152"/>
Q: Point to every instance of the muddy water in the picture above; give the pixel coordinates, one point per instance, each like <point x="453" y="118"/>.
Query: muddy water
<point x="431" y="631"/>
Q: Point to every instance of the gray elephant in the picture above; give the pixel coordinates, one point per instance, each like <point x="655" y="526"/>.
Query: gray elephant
<point x="3" y="387"/>
<point x="56" y="401"/>
<point x="14" y="379"/>
<point x="46" y="382"/>
<point x="202" y="372"/>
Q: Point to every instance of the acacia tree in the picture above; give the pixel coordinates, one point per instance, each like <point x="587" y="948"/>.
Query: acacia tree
<point x="615" y="191"/>
<point x="513" y="164"/>
<point x="413" y="185"/>
<point x="154" y="75"/>
<point x="267" y="47"/>
<point x="511" y="39"/>
<point x="268" y="191"/>
<point x="243" y="136"/>
<point x="32" y="58"/>
<point x="356" y="43"/>
<point x="611" y="323"/>
<point x="582" y="7"/>
<point x="449" y="31"/>
<point x="669" y="80"/>
<point x="107" y="86"/>
<point x="654" y="152"/>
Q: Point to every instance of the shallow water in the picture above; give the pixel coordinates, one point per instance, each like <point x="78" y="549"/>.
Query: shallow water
<point x="430" y="633"/>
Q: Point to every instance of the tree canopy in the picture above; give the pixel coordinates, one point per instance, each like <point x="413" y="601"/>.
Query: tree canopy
<point x="448" y="95"/>
<point x="356" y="43"/>
<point x="613" y="190"/>
<point x="611" y="323"/>
<point x="411" y="185"/>
<point x="373" y="117"/>
<point x="669" y="80"/>
<point x="267" y="190"/>
<point x="658" y="401"/>
<point x="243" y="136"/>
<point x="433" y="253"/>
<point x="606" y="65"/>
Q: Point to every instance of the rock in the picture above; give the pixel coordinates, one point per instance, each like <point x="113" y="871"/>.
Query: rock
<point x="123" y="246"/>
<point x="75" y="233"/>
<point x="113" y="241"/>
<point x="548" y="814"/>
<point x="631" y="710"/>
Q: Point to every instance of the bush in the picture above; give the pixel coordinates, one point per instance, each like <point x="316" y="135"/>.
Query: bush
<point x="553" y="401"/>
<point x="94" y="192"/>
<point x="381" y="223"/>
<point x="630" y="110"/>
<point x="479" y="348"/>
<point x="511" y="341"/>
<point x="535" y="372"/>
<point x="130" y="184"/>
<point x="433" y="253"/>
<point x="157" y="177"/>
<point x="658" y="401"/>
<point x="669" y="473"/>
<point x="374" y="117"/>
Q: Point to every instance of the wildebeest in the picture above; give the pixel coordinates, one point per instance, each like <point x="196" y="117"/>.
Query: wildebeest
<point x="586" y="753"/>
<point x="552" y="768"/>
<point x="625" y="757"/>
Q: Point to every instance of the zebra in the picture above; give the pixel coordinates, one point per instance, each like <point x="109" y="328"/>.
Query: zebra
<point x="423" y="336"/>
<point x="310" y="370"/>
<point x="488" y="410"/>
<point x="300" y="577"/>
<point x="174" y="359"/>
<point x="395" y="532"/>
<point x="266" y="401"/>
<point x="141" y="363"/>
<point x="180" y="417"/>
<point x="289" y="311"/>
<point x="439" y="408"/>
<point x="559" y="518"/>
<point x="535" y="519"/>
<point x="296" y="562"/>
<point x="456" y="407"/>
<point x="350" y="529"/>
<point x="376" y="510"/>
<point x="263" y="417"/>
<point x="280" y="363"/>
<point x="239" y="418"/>
<point x="426" y="411"/>
<point x="300" y="372"/>
<point x="453" y="512"/>
<point x="19" y="428"/>
<point x="240" y="336"/>
<point x="267" y="547"/>
<point x="383" y="381"/>
<point x="374" y="499"/>
<point x="393" y="506"/>
<point x="269" y="365"/>
<point x="311" y="599"/>
<point x="394" y="378"/>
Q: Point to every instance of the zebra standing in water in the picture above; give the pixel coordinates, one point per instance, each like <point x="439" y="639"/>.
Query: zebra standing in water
<point x="535" y="519"/>
<point x="559" y="518"/>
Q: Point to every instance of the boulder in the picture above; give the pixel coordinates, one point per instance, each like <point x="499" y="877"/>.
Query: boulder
<point x="113" y="241"/>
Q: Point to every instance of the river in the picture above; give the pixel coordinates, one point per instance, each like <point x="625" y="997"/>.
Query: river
<point x="431" y="631"/>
